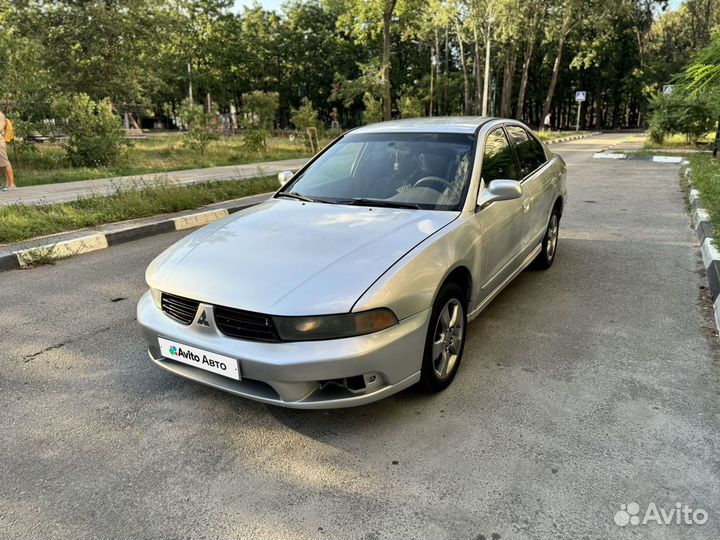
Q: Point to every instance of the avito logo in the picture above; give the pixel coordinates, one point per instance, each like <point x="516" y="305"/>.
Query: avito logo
<point x="178" y="351"/>
<point x="629" y="514"/>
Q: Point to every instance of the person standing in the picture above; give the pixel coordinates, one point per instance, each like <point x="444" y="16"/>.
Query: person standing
<point x="4" y="161"/>
<point x="546" y="122"/>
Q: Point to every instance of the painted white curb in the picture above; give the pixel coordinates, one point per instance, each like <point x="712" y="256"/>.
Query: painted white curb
<point x="694" y="194"/>
<point x="700" y="215"/>
<point x="667" y="159"/>
<point x="27" y="257"/>
<point x="704" y="230"/>
<point x="64" y="249"/>
<point x="709" y="252"/>
<point x="200" y="219"/>
<point x="608" y="155"/>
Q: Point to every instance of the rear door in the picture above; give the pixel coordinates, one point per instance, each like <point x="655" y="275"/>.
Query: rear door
<point x="536" y="178"/>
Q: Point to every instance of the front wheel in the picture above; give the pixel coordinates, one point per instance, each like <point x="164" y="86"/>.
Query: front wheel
<point x="546" y="257"/>
<point x="445" y="340"/>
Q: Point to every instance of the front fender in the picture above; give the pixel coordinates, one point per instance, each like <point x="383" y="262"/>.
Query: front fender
<point x="410" y="285"/>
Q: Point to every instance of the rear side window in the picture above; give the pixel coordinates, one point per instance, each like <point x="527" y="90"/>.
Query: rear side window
<point x="498" y="161"/>
<point x="530" y="152"/>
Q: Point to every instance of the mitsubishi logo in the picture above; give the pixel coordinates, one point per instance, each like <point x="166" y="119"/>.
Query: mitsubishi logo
<point x="203" y="319"/>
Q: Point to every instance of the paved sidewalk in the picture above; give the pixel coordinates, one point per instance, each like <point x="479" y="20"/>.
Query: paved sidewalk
<point x="70" y="191"/>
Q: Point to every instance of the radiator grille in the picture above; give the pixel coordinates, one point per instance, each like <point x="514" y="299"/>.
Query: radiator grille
<point x="181" y="309"/>
<point x="245" y="324"/>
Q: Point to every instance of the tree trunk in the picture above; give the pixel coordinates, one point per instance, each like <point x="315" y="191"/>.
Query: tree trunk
<point x="716" y="148"/>
<point x="508" y="79"/>
<point x="463" y="65"/>
<point x="529" y="47"/>
<point x="432" y="78"/>
<point x="446" y="70"/>
<point x="437" y="72"/>
<point x="133" y="121"/>
<point x="486" y="82"/>
<point x="478" y="84"/>
<point x="556" y="70"/>
<point x="387" y="19"/>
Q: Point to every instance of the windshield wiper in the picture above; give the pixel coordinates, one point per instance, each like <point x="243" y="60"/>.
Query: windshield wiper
<point x="380" y="202"/>
<point x="296" y="196"/>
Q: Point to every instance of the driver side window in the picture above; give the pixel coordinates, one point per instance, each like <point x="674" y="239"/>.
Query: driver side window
<point x="498" y="160"/>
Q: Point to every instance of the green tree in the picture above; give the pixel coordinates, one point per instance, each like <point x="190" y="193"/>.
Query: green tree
<point x="373" y="109"/>
<point x="305" y="116"/>
<point x="368" y="19"/>
<point x="410" y="106"/>
<point x="261" y="108"/>
<point x="95" y="137"/>
<point x="702" y="77"/>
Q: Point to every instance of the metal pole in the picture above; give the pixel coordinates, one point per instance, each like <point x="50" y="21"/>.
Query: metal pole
<point x="577" y="123"/>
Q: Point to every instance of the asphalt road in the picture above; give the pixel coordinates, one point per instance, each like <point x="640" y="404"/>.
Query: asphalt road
<point x="582" y="388"/>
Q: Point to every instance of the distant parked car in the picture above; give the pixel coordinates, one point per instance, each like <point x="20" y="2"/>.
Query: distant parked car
<point x="358" y="277"/>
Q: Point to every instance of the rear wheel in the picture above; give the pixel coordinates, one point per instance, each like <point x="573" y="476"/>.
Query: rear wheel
<point x="445" y="340"/>
<point x="546" y="257"/>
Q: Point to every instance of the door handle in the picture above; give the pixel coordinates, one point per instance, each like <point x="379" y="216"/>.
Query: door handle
<point x="526" y="205"/>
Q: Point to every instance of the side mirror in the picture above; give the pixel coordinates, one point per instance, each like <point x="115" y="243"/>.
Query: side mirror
<point x="500" y="190"/>
<point x="284" y="177"/>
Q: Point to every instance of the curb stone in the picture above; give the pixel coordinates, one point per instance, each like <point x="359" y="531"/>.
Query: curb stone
<point x="704" y="232"/>
<point x="655" y="159"/>
<point x="115" y="234"/>
<point x="572" y="138"/>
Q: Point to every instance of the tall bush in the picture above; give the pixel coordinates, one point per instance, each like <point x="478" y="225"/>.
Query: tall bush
<point x="202" y="125"/>
<point x="261" y="108"/>
<point x="680" y="113"/>
<point x="373" y="109"/>
<point x="410" y="107"/>
<point x="94" y="132"/>
<point x="304" y="117"/>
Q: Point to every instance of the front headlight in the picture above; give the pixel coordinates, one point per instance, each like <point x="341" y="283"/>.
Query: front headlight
<point x="334" y="326"/>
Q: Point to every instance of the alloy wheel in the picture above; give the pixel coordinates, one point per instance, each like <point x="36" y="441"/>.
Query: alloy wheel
<point x="448" y="338"/>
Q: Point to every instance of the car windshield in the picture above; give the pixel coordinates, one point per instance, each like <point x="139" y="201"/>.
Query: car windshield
<point x="405" y="170"/>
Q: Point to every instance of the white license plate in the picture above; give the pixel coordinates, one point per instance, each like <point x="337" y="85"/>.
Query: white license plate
<point x="209" y="361"/>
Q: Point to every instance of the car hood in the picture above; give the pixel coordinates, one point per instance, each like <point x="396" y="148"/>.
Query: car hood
<point x="285" y="257"/>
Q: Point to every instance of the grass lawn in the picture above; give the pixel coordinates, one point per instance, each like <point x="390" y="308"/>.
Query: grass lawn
<point x="156" y="154"/>
<point x="20" y="222"/>
<point x="706" y="176"/>
<point x="680" y="142"/>
<point x="551" y="135"/>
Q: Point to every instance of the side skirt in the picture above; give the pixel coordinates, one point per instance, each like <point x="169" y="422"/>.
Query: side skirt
<point x="530" y="258"/>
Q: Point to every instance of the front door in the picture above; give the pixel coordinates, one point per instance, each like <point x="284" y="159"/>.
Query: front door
<point x="501" y="222"/>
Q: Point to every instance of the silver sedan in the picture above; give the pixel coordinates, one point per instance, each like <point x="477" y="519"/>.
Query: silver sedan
<point x="358" y="278"/>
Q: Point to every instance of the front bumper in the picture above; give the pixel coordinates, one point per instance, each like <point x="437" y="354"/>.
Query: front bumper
<point x="303" y="375"/>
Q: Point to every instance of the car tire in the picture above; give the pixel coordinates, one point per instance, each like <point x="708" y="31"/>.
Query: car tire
<point x="549" y="243"/>
<point x="445" y="339"/>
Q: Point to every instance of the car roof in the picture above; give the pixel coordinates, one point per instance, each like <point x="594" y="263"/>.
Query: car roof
<point x="435" y="124"/>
